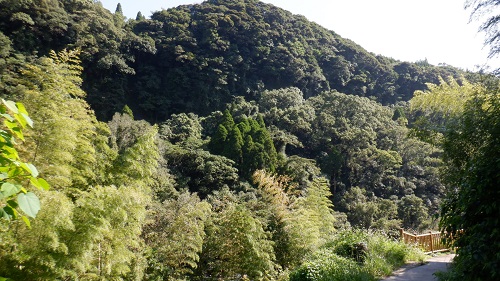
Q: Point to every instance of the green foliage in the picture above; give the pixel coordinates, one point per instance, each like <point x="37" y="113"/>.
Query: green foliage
<point x="96" y="233"/>
<point x="15" y="174"/>
<point x="120" y="208"/>
<point x="175" y="234"/>
<point x="339" y="259"/>
<point x="330" y="266"/>
<point x="51" y="89"/>
<point x="298" y="224"/>
<point x="469" y="214"/>
<point x="367" y="211"/>
<point x="41" y="252"/>
<point x="128" y="111"/>
<point x="412" y="211"/>
<point x="247" y="143"/>
<point x="236" y="245"/>
<point x="199" y="170"/>
<point x="108" y="221"/>
<point x="434" y="108"/>
<point x="181" y="128"/>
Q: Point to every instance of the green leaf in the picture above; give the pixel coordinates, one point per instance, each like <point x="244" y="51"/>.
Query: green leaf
<point x="10" y="152"/>
<point x="45" y="185"/>
<point x="20" y="120"/>
<point x="7" y="116"/>
<point x="16" y="172"/>
<point x="10" y="105"/>
<point x="27" y="119"/>
<point x="8" y="189"/>
<point x="4" y="214"/>
<point x="30" y="168"/>
<point x="39" y="183"/>
<point x="14" y="129"/>
<point x="21" y="108"/>
<point x="12" y="203"/>
<point x="9" y="212"/>
<point x="27" y="221"/>
<point x="29" y="204"/>
<point x="35" y="183"/>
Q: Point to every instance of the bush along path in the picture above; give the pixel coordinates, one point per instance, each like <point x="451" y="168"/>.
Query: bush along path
<point x="425" y="272"/>
<point x="356" y="255"/>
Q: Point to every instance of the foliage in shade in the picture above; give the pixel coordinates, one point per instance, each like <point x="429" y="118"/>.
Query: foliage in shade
<point x="469" y="214"/>
<point x="194" y="58"/>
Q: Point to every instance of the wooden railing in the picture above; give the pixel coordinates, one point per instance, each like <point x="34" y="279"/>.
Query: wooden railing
<point x="430" y="242"/>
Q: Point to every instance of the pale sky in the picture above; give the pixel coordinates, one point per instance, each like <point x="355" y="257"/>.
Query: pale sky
<point x="438" y="30"/>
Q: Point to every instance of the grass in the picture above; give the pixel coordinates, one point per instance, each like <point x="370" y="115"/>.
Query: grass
<point x="356" y="255"/>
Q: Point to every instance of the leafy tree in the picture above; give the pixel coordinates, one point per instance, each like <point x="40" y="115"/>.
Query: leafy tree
<point x="301" y="170"/>
<point x="236" y="245"/>
<point x="52" y="92"/>
<point x="247" y="143"/>
<point x="140" y="16"/>
<point x="199" y="170"/>
<point x="108" y="223"/>
<point x="176" y="234"/>
<point x="469" y="213"/>
<point x="128" y="111"/>
<point x="299" y="222"/>
<point x="41" y="252"/>
<point x="412" y="212"/>
<point x="119" y="9"/>
<point x="364" y="210"/>
<point x="484" y="10"/>
<point x="181" y="128"/>
<point x="134" y="143"/>
<point x="438" y="105"/>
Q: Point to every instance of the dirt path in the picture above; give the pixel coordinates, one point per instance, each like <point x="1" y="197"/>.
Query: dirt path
<point x="422" y="272"/>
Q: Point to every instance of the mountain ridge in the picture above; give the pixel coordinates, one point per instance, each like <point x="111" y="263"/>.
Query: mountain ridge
<point x="195" y="58"/>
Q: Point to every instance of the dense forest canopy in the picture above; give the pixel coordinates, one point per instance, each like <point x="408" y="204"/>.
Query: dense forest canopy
<point x="217" y="141"/>
<point x="206" y="53"/>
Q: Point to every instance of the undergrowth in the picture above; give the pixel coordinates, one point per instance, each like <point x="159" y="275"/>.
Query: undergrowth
<point x="356" y="255"/>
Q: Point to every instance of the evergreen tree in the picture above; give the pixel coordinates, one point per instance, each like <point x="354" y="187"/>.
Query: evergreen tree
<point x="118" y="9"/>
<point x="218" y="141"/>
<point x="140" y="17"/>
<point x="233" y="147"/>
<point x="227" y="120"/>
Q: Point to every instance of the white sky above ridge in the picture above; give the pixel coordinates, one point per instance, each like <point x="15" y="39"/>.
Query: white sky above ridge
<point x="436" y="30"/>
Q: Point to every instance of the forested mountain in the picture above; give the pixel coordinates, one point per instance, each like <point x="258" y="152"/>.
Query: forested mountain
<point x="195" y="58"/>
<point x="218" y="141"/>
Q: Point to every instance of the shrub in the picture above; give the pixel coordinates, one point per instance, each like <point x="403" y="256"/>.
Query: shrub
<point x="356" y="255"/>
<point x="329" y="266"/>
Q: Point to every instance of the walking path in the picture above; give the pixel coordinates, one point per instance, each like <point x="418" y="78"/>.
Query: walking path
<point x="422" y="272"/>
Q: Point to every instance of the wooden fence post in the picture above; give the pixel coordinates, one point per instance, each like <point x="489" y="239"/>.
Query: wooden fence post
<point x="432" y="242"/>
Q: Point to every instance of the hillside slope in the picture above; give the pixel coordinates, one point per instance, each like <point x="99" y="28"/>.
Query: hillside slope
<point x="195" y="58"/>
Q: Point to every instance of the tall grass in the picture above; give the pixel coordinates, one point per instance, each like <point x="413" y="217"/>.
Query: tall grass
<point x="356" y="255"/>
